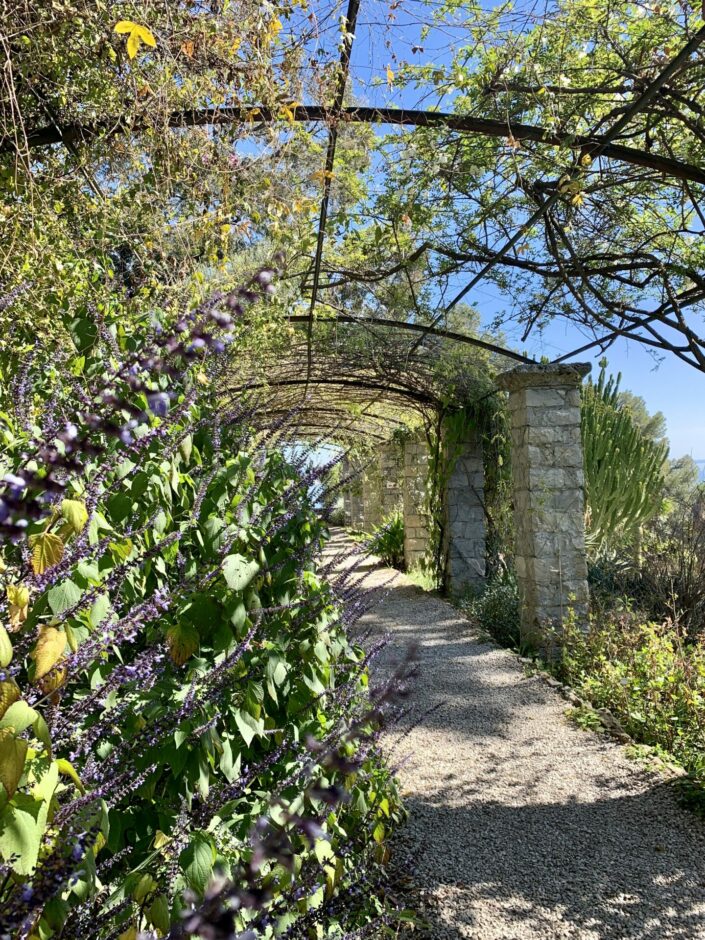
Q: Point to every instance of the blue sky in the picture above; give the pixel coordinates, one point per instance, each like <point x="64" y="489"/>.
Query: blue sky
<point x="387" y="33"/>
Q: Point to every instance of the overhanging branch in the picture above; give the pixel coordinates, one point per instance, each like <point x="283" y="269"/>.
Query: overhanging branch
<point x="77" y="133"/>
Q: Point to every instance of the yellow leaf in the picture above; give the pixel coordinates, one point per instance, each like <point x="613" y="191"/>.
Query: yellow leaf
<point x="182" y="640"/>
<point x="75" y="513"/>
<point x="145" y="35"/>
<point x="133" y="44"/>
<point x="18" y="595"/>
<point x="145" y="886"/>
<point x="52" y="681"/>
<point x="47" y="551"/>
<point x="578" y="199"/>
<point x="5" y="648"/>
<point x="13" y="752"/>
<point x="68" y="770"/>
<point x="9" y="694"/>
<point x="125" y="26"/>
<point x="390" y="76"/>
<point x="274" y="28"/>
<point x="161" y="839"/>
<point x="288" y="111"/>
<point x="378" y="834"/>
<point x="48" y="650"/>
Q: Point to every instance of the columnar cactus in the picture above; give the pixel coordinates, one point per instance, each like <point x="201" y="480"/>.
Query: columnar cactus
<point x="624" y="469"/>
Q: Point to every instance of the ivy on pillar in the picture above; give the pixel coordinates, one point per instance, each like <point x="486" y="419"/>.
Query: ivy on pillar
<point x="549" y="495"/>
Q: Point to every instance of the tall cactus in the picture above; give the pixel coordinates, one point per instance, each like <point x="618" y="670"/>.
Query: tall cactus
<point x="624" y="469"/>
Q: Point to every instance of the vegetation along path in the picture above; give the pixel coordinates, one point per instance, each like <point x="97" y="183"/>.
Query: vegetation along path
<point x="521" y="825"/>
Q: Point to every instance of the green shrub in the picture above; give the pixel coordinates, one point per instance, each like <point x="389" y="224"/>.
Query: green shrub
<point x="649" y="677"/>
<point x="496" y="611"/>
<point x="388" y="540"/>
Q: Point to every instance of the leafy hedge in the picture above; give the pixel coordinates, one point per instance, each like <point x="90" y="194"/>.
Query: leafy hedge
<point x="185" y="734"/>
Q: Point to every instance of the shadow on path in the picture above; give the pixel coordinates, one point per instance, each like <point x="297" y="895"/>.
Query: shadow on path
<point x="522" y="826"/>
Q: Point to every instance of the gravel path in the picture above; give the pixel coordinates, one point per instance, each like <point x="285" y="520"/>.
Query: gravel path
<point x="520" y="824"/>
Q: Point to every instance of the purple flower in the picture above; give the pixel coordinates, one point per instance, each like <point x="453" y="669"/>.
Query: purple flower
<point x="158" y="403"/>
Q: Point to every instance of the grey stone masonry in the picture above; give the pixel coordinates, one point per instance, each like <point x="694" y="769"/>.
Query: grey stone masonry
<point x="391" y="465"/>
<point x="549" y="498"/>
<point x="371" y="495"/>
<point x="352" y="495"/>
<point x="416" y="523"/>
<point x="464" y="523"/>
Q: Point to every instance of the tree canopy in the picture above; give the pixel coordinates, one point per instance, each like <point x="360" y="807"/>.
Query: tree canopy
<point x="552" y="151"/>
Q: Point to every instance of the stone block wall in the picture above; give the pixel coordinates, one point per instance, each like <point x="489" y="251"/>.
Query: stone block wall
<point x="352" y="495"/>
<point x="371" y="495"/>
<point x="464" y="523"/>
<point x="416" y="522"/>
<point x="391" y="463"/>
<point x="548" y="491"/>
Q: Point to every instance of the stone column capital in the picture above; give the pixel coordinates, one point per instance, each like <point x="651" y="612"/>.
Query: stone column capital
<point x="543" y="375"/>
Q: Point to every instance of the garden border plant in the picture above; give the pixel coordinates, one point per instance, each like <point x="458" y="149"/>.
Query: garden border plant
<point x="186" y="733"/>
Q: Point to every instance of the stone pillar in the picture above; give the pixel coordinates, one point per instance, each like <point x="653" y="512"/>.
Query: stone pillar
<point x="416" y="522"/>
<point x="549" y="498"/>
<point x="371" y="496"/>
<point x="390" y="469"/>
<point x="352" y="494"/>
<point x="464" y="523"/>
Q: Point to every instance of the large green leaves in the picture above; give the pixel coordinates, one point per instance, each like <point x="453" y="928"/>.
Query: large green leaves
<point x="197" y="861"/>
<point x="239" y="571"/>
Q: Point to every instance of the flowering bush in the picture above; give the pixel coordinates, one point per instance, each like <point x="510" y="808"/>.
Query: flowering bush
<point x="187" y="746"/>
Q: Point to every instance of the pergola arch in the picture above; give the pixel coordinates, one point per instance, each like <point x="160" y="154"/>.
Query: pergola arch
<point x="359" y="397"/>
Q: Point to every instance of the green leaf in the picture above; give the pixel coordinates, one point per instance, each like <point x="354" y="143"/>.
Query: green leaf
<point x="186" y="447"/>
<point x="158" y="914"/>
<point x="100" y="610"/>
<point x="41" y="732"/>
<point x="22" y="826"/>
<point x="19" y="717"/>
<point x="323" y="850"/>
<point x="248" y="726"/>
<point x="197" y="861"/>
<point x="44" y="789"/>
<point x="63" y="596"/>
<point x="239" y="572"/>
<point x="239" y="616"/>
